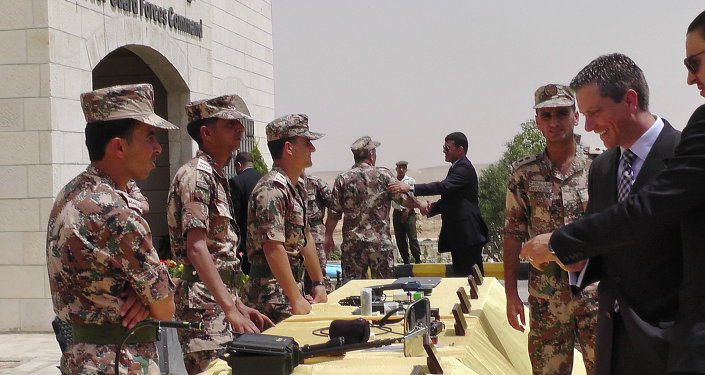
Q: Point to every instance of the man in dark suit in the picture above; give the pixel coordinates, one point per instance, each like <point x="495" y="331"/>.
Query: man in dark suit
<point x="463" y="232"/>
<point x="630" y="312"/>
<point x="675" y="197"/>
<point x="240" y="188"/>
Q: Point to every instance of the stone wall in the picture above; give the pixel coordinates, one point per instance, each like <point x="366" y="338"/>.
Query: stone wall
<point x="48" y="49"/>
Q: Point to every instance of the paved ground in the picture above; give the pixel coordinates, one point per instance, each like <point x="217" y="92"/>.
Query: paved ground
<point x="29" y="353"/>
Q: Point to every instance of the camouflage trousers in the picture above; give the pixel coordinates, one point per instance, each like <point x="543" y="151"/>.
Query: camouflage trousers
<point x="91" y="359"/>
<point x="197" y="362"/>
<point x="195" y="304"/>
<point x="267" y="296"/>
<point x="558" y="327"/>
<point x="358" y="256"/>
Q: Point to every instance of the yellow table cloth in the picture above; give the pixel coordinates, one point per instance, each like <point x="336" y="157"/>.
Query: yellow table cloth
<point x="489" y="347"/>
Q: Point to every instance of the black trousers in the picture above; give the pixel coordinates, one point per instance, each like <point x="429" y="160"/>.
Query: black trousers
<point x="404" y="231"/>
<point x="465" y="258"/>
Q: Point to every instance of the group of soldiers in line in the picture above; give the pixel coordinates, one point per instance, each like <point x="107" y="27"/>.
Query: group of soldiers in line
<point x="106" y="275"/>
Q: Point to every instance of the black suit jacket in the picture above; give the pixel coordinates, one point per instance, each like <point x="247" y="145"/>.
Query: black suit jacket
<point x="675" y="197"/>
<point x="643" y="277"/>
<point x="462" y="225"/>
<point x="241" y="187"/>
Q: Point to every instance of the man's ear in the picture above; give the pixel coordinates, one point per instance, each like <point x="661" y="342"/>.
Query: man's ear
<point x="632" y="100"/>
<point x="206" y="132"/>
<point x="116" y="147"/>
<point x="288" y="147"/>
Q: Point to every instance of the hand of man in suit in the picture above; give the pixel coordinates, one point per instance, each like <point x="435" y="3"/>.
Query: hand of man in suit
<point x="395" y="187"/>
<point x="536" y="250"/>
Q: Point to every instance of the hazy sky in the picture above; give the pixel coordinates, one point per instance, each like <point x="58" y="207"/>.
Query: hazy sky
<point x="408" y="72"/>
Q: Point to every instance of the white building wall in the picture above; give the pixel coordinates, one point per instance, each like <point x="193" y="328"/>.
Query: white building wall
<point x="48" y="49"/>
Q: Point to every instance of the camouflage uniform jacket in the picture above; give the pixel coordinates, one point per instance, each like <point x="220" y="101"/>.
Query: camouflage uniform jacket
<point x="361" y="194"/>
<point x="200" y="198"/>
<point x="541" y="199"/>
<point x="318" y="197"/>
<point x="98" y="244"/>
<point x="276" y="212"/>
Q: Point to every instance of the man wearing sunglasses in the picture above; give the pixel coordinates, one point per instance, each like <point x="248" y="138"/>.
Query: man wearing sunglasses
<point x="639" y="277"/>
<point x="463" y="232"/>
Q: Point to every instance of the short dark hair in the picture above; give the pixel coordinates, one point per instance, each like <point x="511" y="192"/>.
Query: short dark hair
<point x="459" y="139"/>
<point x="194" y="128"/>
<point x="361" y="155"/>
<point x="99" y="133"/>
<point x="244" y="157"/>
<point x="276" y="147"/>
<point x="614" y="74"/>
<point x="698" y="25"/>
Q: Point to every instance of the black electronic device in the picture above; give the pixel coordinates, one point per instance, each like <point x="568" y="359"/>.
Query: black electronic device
<point x="263" y="354"/>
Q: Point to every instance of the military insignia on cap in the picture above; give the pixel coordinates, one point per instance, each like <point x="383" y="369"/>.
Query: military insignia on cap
<point x="550" y="90"/>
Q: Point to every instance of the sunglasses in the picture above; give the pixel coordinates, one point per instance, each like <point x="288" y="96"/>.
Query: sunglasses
<point x="446" y="148"/>
<point x="691" y="64"/>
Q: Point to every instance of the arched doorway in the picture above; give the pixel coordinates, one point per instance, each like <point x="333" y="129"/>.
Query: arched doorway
<point x="124" y="66"/>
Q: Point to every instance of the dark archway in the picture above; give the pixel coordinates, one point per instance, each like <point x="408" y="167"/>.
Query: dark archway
<point x="122" y="67"/>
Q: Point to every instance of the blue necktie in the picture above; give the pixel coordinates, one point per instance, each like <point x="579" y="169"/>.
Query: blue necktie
<point x="626" y="175"/>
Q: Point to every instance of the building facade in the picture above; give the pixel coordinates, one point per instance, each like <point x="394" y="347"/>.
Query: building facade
<point x="53" y="50"/>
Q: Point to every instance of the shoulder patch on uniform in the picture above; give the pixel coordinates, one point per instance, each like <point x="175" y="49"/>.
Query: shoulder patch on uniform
<point x="280" y="178"/>
<point x="526" y="160"/>
<point x="593" y="151"/>
<point x="204" y="166"/>
<point x="132" y="203"/>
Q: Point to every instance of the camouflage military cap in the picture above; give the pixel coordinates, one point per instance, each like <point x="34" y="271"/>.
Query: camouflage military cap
<point x="223" y="107"/>
<point x="123" y="102"/>
<point x="294" y="125"/>
<point x="402" y="163"/>
<point x="552" y="95"/>
<point x="363" y="145"/>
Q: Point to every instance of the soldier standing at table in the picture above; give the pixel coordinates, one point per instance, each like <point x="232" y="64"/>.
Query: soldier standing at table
<point x="204" y="237"/>
<point x="546" y="191"/>
<point x="278" y="234"/>
<point x="104" y="273"/>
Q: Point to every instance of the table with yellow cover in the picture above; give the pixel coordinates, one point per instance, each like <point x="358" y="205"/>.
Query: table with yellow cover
<point x="490" y="346"/>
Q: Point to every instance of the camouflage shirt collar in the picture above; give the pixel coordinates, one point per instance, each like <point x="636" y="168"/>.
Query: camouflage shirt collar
<point x="98" y="174"/>
<point x="361" y="164"/>
<point x="578" y="164"/>
<point x="205" y="156"/>
<point x="281" y="171"/>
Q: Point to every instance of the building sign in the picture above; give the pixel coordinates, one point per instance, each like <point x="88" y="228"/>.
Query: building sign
<point x="160" y="15"/>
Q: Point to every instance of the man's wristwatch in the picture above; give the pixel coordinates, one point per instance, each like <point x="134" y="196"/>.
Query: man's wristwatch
<point x="550" y="248"/>
<point x="317" y="283"/>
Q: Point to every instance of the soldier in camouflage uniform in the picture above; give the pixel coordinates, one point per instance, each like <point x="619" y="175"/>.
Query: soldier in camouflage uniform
<point x="203" y="236"/>
<point x="104" y="272"/>
<point x="360" y="194"/>
<point x="277" y="230"/>
<point x="545" y="192"/>
<point x="318" y="198"/>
